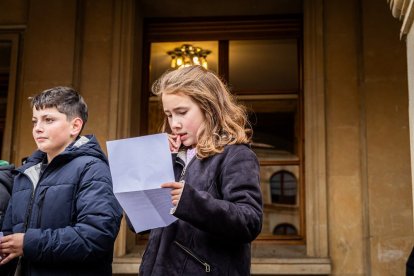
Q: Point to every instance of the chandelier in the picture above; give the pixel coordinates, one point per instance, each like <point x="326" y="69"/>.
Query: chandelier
<point x="187" y="55"/>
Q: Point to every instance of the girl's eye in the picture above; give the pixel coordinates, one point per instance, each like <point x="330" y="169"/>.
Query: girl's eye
<point x="182" y="113"/>
<point x="34" y="122"/>
<point x="49" y="120"/>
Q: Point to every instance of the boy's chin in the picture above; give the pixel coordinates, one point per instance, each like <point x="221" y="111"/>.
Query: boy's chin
<point x="42" y="147"/>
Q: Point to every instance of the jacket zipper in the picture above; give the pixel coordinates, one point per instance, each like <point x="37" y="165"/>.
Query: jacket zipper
<point x="182" y="174"/>
<point x="185" y="169"/>
<point x="189" y="252"/>
<point x="29" y="212"/>
<point x="40" y="206"/>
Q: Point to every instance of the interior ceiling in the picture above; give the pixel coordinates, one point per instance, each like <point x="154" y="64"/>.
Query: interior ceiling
<point x="161" y="60"/>
<point x="185" y="8"/>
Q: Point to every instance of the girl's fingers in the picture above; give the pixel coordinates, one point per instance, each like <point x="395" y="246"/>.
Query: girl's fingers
<point x="172" y="143"/>
<point x="176" y="192"/>
<point x="178" y="141"/>
<point x="173" y="185"/>
<point x="175" y="142"/>
<point x="176" y="197"/>
<point x="174" y="146"/>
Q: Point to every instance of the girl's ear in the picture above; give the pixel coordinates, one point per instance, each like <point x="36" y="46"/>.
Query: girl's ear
<point x="76" y="125"/>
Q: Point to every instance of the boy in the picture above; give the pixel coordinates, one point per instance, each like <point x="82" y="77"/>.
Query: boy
<point x="63" y="217"/>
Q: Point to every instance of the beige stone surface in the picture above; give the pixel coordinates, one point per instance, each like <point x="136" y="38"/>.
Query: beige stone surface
<point x="389" y="254"/>
<point x="96" y="65"/>
<point x="368" y="168"/>
<point x="47" y="61"/>
<point x="387" y="131"/>
<point x="410" y="74"/>
<point x="343" y="139"/>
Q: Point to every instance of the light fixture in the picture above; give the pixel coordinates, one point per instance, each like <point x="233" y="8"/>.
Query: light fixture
<point x="187" y="55"/>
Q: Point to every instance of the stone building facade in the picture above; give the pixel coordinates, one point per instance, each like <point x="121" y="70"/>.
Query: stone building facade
<point x="357" y="85"/>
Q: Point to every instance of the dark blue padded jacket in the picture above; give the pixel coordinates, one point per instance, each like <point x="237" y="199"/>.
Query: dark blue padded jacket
<point x="70" y="217"/>
<point x="6" y="184"/>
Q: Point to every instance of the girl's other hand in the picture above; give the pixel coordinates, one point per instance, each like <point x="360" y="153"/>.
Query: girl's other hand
<point x="176" y="190"/>
<point x="175" y="142"/>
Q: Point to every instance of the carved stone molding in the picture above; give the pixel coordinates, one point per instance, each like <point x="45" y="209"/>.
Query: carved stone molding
<point x="121" y="73"/>
<point x="120" y="86"/>
<point x="403" y="10"/>
<point x="396" y="7"/>
<point x="315" y="143"/>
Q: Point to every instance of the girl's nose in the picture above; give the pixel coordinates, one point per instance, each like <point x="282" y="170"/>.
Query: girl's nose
<point x="175" y="123"/>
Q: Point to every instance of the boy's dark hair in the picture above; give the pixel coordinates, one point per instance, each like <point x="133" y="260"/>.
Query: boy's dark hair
<point x="66" y="100"/>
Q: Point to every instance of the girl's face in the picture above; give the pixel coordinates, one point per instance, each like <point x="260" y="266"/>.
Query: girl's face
<point x="184" y="117"/>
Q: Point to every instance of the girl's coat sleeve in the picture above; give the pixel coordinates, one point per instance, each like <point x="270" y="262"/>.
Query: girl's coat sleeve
<point x="238" y="214"/>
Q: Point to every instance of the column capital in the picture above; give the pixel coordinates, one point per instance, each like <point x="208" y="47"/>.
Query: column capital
<point x="404" y="11"/>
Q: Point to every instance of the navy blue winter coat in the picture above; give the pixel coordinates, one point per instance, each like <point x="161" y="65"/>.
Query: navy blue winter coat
<point x="71" y="218"/>
<point x="6" y="184"/>
<point x="219" y="214"/>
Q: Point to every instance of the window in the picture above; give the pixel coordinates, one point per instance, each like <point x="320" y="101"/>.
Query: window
<point x="275" y="64"/>
<point x="5" y="53"/>
<point x="263" y="67"/>
<point x="285" y="229"/>
<point x="303" y="257"/>
<point x="8" y="71"/>
<point x="283" y="187"/>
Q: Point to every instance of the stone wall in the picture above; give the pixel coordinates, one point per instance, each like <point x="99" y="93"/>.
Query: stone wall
<point x="90" y="45"/>
<point x="370" y="214"/>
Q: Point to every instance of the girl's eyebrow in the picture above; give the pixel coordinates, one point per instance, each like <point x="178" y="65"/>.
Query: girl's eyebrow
<point x="179" y="108"/>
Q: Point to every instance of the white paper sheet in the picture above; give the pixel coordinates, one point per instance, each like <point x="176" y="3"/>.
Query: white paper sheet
<point x="139" y="166"/>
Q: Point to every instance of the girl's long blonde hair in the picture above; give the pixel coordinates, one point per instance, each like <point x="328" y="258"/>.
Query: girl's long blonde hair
<point x="225" y="122"/>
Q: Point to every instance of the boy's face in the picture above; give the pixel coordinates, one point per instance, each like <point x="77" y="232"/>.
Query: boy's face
<point x="52" y="131"/>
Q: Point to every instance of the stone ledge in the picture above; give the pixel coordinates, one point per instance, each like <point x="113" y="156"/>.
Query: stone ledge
<point x="260" y="266"/>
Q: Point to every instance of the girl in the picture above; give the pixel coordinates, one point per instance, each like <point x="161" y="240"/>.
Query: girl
<point x="217" y="197"/>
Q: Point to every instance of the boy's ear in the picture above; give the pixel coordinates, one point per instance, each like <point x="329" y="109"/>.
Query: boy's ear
<point x="76" y="125"/>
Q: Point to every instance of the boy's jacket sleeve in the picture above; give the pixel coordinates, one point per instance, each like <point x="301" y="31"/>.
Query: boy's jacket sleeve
<point x="92" y="234"/>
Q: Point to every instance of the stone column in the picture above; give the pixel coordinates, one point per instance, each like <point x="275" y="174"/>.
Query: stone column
<point x="404" y="11"/>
